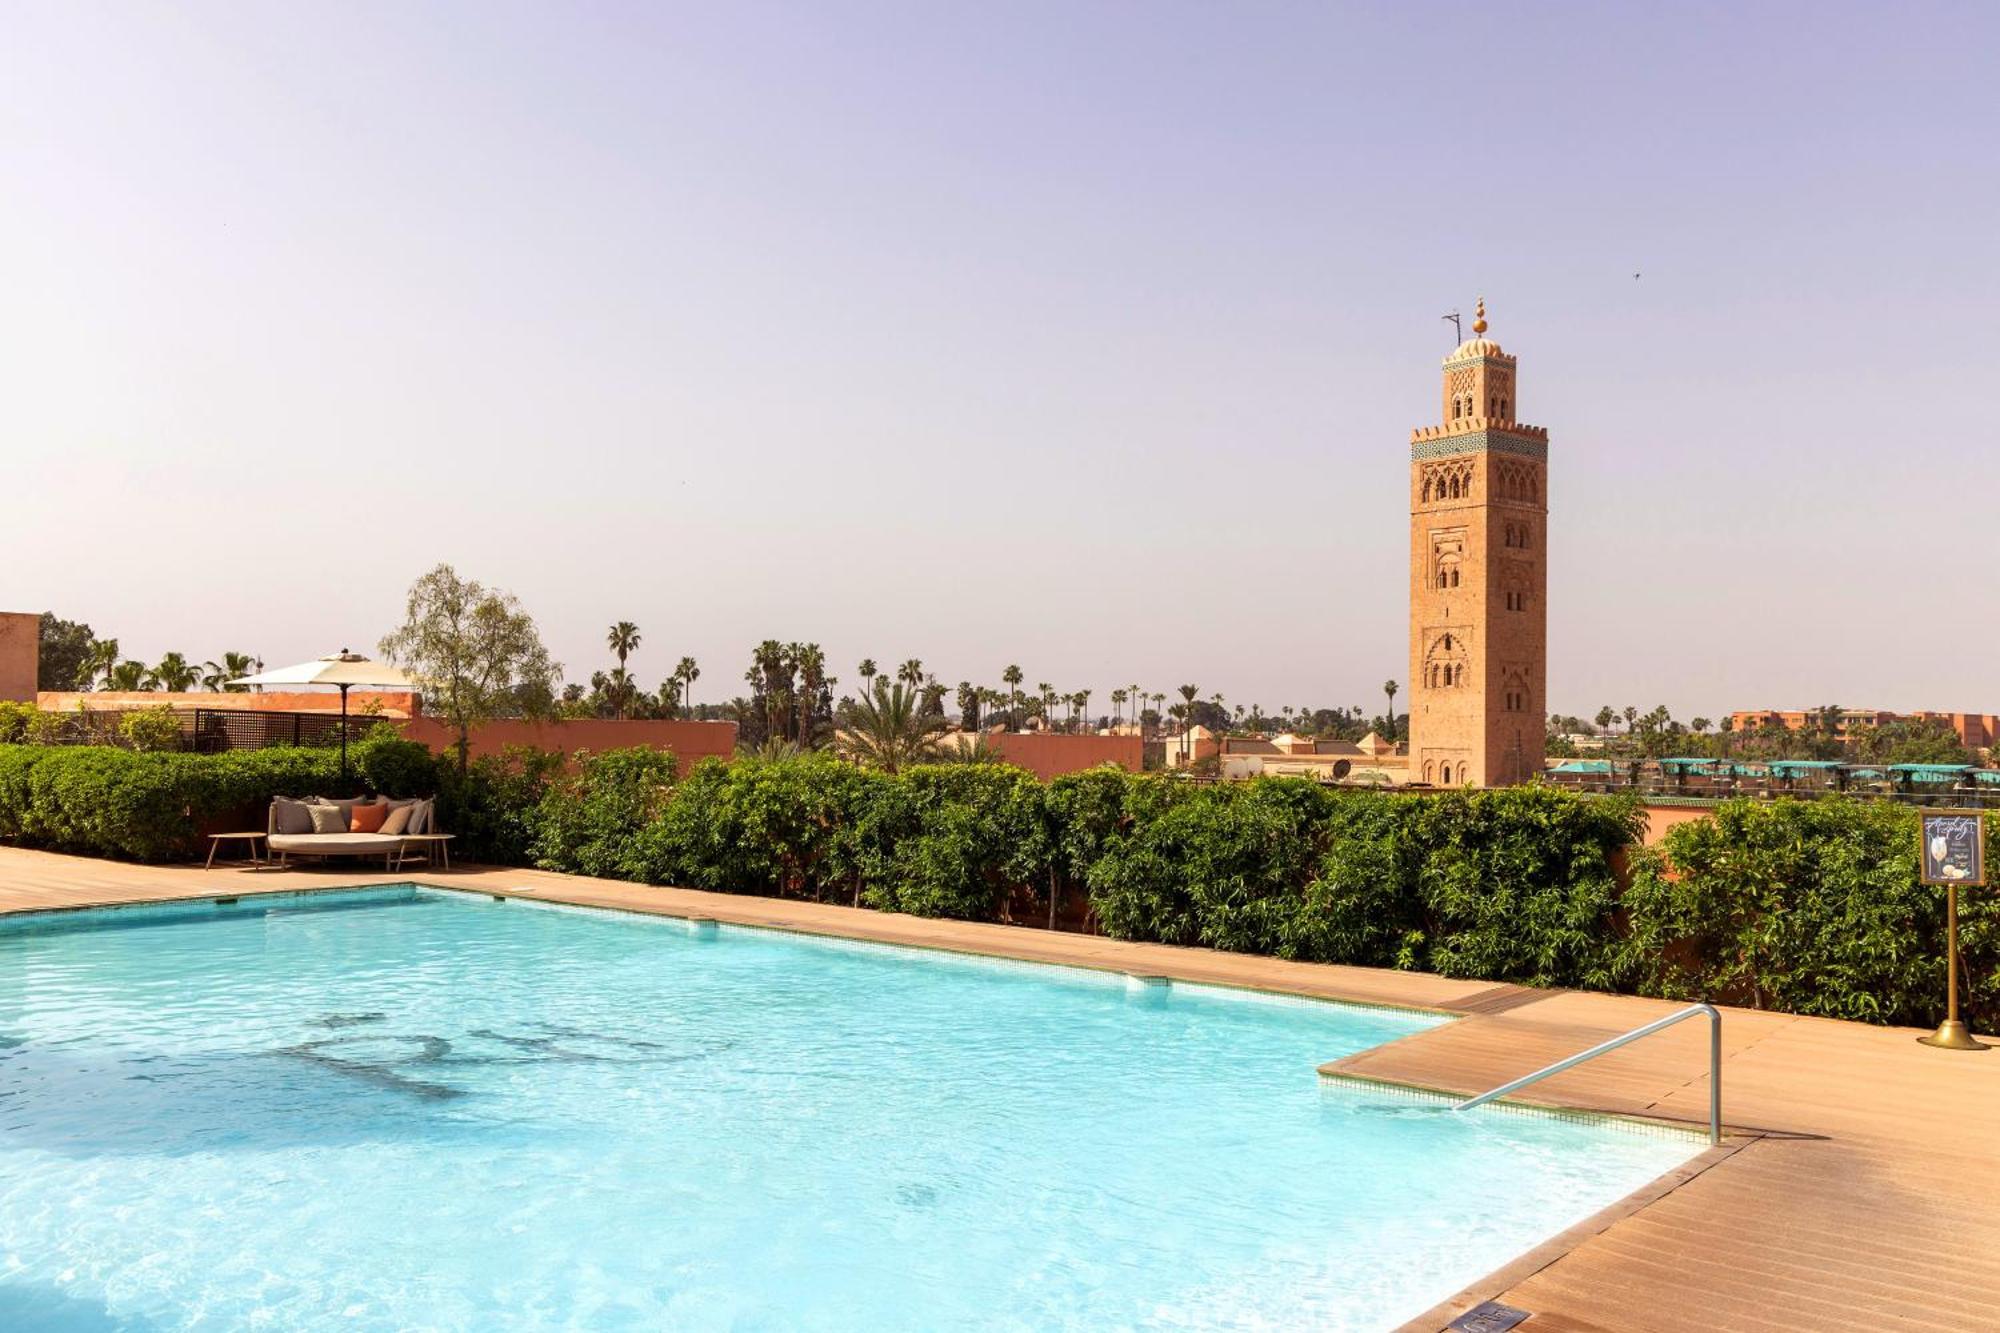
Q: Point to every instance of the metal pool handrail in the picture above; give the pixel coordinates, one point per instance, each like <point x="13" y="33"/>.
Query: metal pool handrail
<point x="1570" y="1062"/>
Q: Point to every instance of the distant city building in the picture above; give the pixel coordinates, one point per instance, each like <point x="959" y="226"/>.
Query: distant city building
<point x="1976" y="731"/>
<point x="1478" y="578"/>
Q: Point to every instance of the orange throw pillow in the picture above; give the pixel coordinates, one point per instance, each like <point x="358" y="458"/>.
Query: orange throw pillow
<point x="366" y="818"/>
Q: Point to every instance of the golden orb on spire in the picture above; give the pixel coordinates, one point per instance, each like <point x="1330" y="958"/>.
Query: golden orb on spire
<point x="1479" y="317"/>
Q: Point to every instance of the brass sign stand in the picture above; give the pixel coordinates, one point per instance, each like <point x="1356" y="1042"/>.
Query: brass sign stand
<point x="1953" y="853"/>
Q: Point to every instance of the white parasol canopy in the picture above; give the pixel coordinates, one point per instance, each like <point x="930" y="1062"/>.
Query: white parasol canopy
<point x="342" y="669"/>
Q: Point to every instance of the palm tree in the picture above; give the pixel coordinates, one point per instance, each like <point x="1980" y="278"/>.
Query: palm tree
<point x="619" y="688"/>
<point x="1048" y="693"/>
<point x="813" y="678"/>
<point x="888" y="729"/>
<point x="911" y="673"/>
<point x="1187" y="693"/>
<point x="217" y="675"/>
<point x="127" y="676"/>
<point x="174" y="674"/>
<point x="868" y="671"/>
<point x="686" y="673"/>
<point x="98" y="662"/>
<point x="623" y="640"/>
<point x="773" y="749"/>
<point x="1012" y="677"/>
<point x="1118" y="698"/>
<point x="1604" y="718"/>
<point x="968" y="705"/>
<point x="1631" y="718"/>
<point x="1389" y="687"/>
<point x="981" y="750"/>
<point x="1083" y="707"/>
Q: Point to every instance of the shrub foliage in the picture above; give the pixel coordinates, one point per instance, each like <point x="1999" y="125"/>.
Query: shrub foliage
<point x="1806" y="906"/>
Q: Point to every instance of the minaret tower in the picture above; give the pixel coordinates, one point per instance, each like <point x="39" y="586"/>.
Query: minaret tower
<point x="1478" y="575"/>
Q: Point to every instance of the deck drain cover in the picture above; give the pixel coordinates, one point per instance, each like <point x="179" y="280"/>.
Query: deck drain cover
<point x="1487" y="1317"/>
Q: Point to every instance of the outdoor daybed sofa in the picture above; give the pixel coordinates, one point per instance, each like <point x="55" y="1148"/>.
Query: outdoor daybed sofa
<point x="321" y="827"/>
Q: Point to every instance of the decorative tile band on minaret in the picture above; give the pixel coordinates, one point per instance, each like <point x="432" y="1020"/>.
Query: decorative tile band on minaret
<point x="1478" y="578"/>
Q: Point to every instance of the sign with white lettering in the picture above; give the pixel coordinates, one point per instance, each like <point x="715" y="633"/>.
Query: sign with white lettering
<point x="1953" y="849"/>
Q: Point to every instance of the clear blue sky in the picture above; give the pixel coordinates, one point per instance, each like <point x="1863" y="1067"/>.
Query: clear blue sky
<point x="1082" y="336"/>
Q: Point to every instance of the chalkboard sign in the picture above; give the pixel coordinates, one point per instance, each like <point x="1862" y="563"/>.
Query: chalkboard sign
<point x="1952" y="848"/>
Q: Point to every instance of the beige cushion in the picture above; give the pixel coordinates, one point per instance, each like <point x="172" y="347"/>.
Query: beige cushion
<point x="327" y="818"/>
<point x="332" y="843"/>
<point x="289" y="816"/>
<point x="398" y="820"/>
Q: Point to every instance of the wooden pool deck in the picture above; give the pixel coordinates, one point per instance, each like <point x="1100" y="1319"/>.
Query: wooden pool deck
<point x="1859" y="1187"/>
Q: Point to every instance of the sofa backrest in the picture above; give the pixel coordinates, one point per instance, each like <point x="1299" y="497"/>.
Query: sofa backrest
<point x="422" y="820"/>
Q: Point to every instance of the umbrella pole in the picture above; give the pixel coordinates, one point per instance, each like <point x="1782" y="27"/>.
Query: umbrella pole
<point x="343" y="739"/>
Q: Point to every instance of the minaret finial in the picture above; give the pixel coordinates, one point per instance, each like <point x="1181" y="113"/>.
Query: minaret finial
<point x="1479" y="317"/>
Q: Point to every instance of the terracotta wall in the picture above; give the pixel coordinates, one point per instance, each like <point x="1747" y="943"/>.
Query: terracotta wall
<point x="393" y="703"/>
<point x="689" y="740"/>
<point x="1660" y="818"/>
<point x="20" y="654"/>
<point x="1052" y="754"/>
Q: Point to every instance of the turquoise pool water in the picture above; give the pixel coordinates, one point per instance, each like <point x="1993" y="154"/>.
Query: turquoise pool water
<point x="398" y="1109"/>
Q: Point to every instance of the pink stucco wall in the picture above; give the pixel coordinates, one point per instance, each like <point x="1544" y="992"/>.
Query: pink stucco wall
<point x="1660" y="818"/>
<point x="1052" y="754"/>
<point x="392" y="703"/>
<point x="20" y="654"/>
<point x="689" y="740"/>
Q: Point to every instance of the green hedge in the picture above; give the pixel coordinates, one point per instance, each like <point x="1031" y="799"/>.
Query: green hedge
<point x="1810" y="907"/>
<point x="105" y="801"/>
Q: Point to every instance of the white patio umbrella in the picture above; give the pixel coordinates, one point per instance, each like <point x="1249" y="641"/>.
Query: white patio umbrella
<point x="343" y="669"/>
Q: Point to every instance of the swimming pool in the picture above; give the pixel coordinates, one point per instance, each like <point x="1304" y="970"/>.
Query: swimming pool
<point x="398" y="1108"/>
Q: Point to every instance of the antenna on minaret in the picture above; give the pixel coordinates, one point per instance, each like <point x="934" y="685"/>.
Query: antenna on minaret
<point x="1458" y="333"/>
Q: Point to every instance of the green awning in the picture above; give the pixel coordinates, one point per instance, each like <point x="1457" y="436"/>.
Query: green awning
<point x="1783" y="765"/>
<point x="1583" y="766"/>
<point x="1931" y="772"/>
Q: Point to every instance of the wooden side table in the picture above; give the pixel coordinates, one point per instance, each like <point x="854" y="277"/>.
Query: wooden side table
<point x="434" y="844"/>
<point x="249" y="840"/>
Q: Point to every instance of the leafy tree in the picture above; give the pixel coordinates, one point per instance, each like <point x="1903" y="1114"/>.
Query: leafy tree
<point x="888" y="730"/>
<point x="968" y="705"/>
<point x="65" y="653"/>
<point x="151" y="730"/>
<point x="471" y="648"/>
